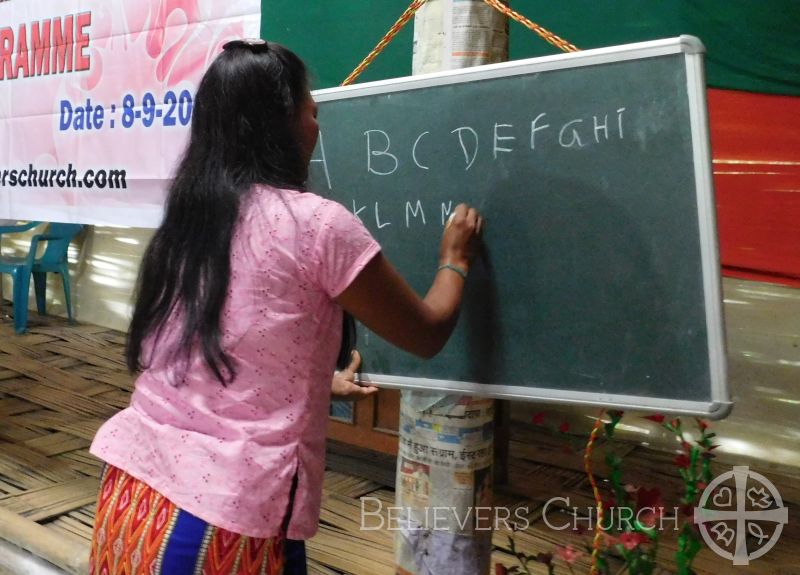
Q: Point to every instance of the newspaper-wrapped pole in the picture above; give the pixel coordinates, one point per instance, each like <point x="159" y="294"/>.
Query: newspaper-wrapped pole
<point x="444" y="471"/>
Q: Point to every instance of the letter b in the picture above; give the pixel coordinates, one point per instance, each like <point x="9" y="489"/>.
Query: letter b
<point x="384" y="152"/>
<point x="377" y="513"/>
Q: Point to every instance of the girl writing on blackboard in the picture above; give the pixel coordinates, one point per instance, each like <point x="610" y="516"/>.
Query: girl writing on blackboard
<point x="237" y="325"/>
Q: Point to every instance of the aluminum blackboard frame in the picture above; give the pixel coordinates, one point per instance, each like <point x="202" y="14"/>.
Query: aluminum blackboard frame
<point x="720" y="404"/>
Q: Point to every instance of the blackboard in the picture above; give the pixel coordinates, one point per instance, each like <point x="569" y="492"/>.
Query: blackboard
<point x="599" y="281"/>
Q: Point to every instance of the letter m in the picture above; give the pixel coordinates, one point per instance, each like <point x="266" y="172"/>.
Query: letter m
<point x="63" y="45"/>
<point x="414" y="211"/>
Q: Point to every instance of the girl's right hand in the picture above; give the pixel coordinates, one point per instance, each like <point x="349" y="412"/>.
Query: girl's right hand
<point x="461" y="237"/>
<point x="383" y="301"/>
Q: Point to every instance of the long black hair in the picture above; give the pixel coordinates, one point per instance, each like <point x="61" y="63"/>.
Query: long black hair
<point x="244" y="131"/>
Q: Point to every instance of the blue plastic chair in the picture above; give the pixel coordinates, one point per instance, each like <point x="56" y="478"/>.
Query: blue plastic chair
<point x="53" y="260"/>
<point x="10" y="229"/>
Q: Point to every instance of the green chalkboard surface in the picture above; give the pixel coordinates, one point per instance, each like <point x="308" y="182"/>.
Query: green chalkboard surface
<point x="599" y="281"/>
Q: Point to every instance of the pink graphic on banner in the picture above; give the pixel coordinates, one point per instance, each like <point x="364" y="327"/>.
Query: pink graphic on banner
<point x="96" y="99"/>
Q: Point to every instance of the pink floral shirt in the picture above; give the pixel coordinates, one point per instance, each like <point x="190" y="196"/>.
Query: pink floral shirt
<point x="229" y="454"/>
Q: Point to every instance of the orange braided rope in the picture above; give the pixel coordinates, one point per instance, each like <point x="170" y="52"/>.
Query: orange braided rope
<point x="410" y="11"/>
<point x="548" y="36"/>
<point x="587" y="465"/>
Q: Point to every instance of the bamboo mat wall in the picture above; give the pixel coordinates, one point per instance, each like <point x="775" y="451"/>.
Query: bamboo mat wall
<point x="59" y="382"/>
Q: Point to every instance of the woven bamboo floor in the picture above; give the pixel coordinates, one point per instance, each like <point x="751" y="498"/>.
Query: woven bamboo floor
<point x="59" y="382"/>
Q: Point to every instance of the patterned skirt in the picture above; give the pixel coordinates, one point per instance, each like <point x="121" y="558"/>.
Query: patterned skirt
<point x="138" y="531"/>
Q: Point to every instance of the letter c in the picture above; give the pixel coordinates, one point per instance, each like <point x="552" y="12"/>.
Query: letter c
<point x="544" y="513"/>
<point x="414" y="151"/>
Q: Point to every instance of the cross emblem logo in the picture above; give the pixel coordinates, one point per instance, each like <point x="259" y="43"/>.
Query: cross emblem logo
<point x="730" y="517"/>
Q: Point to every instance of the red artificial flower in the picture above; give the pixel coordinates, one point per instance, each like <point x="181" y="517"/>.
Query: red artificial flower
<point x="703" y="425"/>
<point x="615" y="416"/>
<point x="683" y="461"/>
<point x="650" y="498"/>
<point x="650" y="518"/>
<point x="500" y="569"/>
<point x="631" y="540"/>
<point x="564" y="427"/>
<point x="658" y="418"/>
<point x="568" y="554"/>
<point x="608" y="500"/>
<point x="538" y="418"/>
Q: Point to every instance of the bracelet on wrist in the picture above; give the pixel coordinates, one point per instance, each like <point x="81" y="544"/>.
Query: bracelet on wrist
<point x="460" y="271"/>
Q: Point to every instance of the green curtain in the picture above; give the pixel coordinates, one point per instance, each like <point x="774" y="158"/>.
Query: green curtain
<point x="751" y="45"/>
<point x="333" y="36"/>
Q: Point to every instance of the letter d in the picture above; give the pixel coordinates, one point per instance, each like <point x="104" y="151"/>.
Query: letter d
<point x="65" y="118"/>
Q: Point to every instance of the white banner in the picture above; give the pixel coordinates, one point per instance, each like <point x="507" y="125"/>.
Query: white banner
<point x="96" y="98"/>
